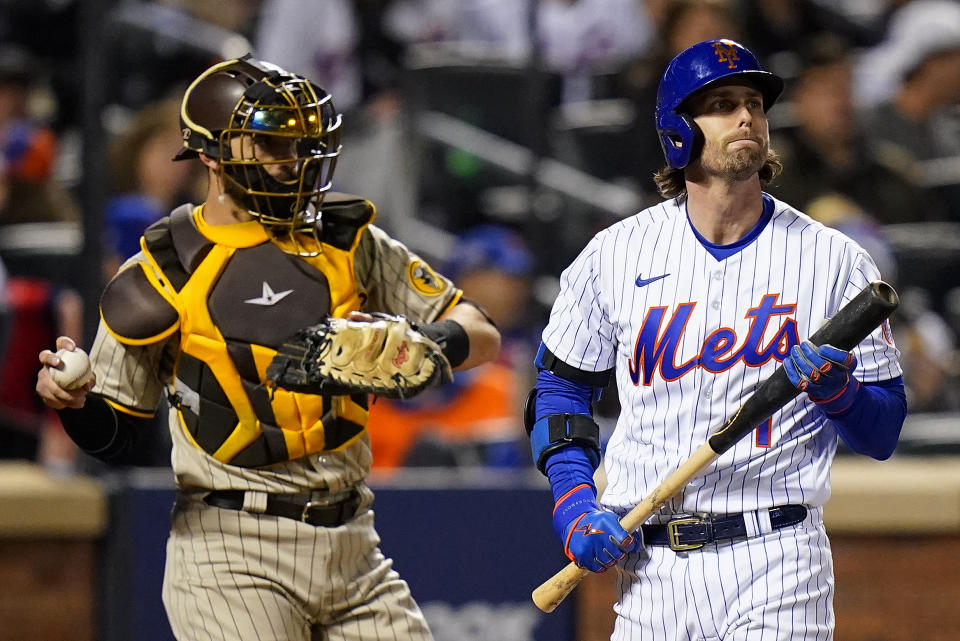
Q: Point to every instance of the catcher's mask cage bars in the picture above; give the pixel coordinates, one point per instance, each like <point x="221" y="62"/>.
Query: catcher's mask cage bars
<point x="295" y="123"/>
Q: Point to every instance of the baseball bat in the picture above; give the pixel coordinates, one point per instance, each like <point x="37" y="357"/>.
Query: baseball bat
<point x="850" y="325"/>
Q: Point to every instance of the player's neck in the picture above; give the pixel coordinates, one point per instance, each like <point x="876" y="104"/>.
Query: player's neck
<point x="724" y="212"/>
<point x="220" y="209"/>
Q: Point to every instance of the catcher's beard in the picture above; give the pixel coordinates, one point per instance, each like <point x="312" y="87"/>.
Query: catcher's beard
<point x="233" y="191"/>
<point x="254" y="204"/>
<point x="737" y="165"/>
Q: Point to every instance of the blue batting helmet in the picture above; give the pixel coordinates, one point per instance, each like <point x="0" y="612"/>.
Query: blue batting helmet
<point x="690" y="71"/>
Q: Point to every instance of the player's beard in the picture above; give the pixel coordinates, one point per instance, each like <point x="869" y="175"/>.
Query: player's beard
<point x="737" y="165"/>
<point x="237" y="194"/>
<point x="276" y="206"/>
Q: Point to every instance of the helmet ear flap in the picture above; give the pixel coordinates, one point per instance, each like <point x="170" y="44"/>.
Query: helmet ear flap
<point x="680" y="138"/>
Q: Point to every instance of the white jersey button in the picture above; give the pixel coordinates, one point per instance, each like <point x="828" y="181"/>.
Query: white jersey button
<point x="716" y="304"/>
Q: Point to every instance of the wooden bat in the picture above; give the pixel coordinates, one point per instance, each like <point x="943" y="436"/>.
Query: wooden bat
<point x="850" y="325"/>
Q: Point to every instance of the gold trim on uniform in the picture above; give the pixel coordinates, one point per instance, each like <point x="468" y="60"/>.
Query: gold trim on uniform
<point x="128" y="410"/>
<point x="453" y="302"/>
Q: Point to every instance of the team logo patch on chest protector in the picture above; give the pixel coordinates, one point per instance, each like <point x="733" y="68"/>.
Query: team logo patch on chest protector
<point x="235" y="307"/>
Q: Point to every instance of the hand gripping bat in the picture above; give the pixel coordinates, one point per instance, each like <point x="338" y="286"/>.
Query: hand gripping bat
<point x="850" y="325"/>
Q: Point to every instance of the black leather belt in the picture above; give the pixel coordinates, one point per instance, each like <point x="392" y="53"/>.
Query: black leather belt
<point x="299" y="507"/>
<point x="692" y="533"/>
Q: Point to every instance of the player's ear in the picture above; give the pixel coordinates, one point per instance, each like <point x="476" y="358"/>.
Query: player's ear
<point x="209" y="161"/>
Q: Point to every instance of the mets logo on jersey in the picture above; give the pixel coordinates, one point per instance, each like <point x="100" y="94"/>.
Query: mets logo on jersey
<point x="424" y="279"/>
<point x="726" y="53"/>
<point x="720" y="351"/>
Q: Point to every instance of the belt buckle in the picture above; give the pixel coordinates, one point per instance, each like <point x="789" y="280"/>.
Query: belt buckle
<point x="674" y="537"/>
<point x="306" y="509"/>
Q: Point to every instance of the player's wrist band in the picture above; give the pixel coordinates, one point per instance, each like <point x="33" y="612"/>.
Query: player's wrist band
<point x="842" y="400"/>
<point x="451" y="337"/>
<point x="579" y="500"/>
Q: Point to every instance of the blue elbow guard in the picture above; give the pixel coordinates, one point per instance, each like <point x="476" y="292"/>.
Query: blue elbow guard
<point x="556" y="431"/>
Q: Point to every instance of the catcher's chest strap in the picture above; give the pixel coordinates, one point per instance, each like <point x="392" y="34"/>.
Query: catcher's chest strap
<point x="209" y="414"/>
<point x="176" y="245"/>
<point x="343" y="217"/>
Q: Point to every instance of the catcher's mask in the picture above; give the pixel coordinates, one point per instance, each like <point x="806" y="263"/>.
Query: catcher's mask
<point x="690" y="71"/>
<point x="236" y="110"/>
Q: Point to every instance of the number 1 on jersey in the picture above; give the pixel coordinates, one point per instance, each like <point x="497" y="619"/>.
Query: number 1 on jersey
<point x="763" y="433"/>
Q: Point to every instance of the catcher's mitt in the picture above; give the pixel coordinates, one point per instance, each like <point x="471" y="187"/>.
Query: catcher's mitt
<point x="387" y="357"/>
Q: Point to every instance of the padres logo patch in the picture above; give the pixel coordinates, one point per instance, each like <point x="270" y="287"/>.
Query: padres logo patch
<point x="424" y="279"/>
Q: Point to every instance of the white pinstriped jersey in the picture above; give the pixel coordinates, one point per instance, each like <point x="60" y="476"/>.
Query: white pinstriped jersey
<point x="691" y="337"/>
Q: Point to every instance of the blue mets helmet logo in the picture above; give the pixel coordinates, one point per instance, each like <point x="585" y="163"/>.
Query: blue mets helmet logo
<point x="726" y="51"/>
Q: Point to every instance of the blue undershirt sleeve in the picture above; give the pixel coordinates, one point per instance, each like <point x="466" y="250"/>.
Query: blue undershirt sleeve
<point x="557" y="395"/>
<point x="567" y="468"/>
<point x="570" y="466"/>
<point x="871" y="424"/>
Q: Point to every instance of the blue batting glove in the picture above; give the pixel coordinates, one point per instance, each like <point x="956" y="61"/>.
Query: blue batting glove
<point x="822" y="372"/>
<point x="592" y="538"/>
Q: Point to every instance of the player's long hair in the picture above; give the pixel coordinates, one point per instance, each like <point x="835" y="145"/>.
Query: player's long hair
<point x="671" y="184"/>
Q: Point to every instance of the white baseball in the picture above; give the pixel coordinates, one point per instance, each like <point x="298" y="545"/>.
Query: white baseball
<point x="74" y="370"/>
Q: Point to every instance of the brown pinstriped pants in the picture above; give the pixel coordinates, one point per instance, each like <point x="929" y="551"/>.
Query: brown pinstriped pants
<point x="235" y="576"/>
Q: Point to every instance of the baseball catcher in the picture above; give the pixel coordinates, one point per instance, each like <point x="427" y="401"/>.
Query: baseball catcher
<point x="380" y="354"/>
<point x="266" y="315"/>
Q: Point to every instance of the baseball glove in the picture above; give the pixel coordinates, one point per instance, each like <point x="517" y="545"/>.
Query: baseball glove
<point x="387" y="357"/>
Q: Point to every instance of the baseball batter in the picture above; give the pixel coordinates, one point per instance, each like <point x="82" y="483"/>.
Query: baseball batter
<point x="272" y="537"/>
<point x="690" y="304"/>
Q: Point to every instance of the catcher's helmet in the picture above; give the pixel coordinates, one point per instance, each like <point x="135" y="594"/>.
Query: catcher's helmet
<point x="254" y="99"/>
<point x="690" y="71"/>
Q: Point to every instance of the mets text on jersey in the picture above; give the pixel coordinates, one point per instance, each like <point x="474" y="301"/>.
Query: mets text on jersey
<point x="717" y="353"/>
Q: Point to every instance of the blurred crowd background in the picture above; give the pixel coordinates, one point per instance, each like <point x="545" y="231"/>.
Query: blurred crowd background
<point x="495" y="137"/>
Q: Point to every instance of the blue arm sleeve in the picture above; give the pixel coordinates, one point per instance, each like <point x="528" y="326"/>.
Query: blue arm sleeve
<point x="871" y="424"/>
<point x="568" y="468"/>
<point x="571" y="466"/>
<point x="557" y="395"/>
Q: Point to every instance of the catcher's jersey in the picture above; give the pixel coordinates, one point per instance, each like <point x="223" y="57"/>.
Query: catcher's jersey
<point x="377" y="274"/>
<point x="692" y="336"/>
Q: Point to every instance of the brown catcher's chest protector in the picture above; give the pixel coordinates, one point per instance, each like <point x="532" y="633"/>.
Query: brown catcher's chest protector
<point x="234" y="297"/>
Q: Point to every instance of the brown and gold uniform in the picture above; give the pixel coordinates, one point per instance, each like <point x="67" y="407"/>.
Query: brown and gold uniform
<point x="196" y="316"/>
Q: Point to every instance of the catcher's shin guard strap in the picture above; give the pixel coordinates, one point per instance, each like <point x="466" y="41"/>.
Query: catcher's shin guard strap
<point x="556" y="431"/>
<point x="452" y="339"/>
